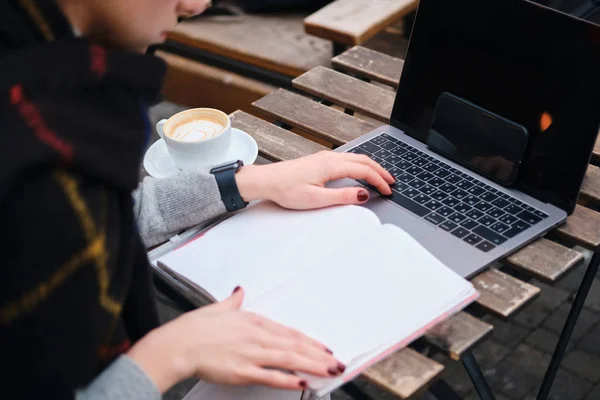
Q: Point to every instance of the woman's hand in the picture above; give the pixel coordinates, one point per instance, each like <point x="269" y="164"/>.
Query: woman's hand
<point x="299" y="184"/>
<point x="222" y="344"/>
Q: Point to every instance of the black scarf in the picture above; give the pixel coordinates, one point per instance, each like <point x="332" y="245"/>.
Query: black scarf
<point x="75" y="283"/>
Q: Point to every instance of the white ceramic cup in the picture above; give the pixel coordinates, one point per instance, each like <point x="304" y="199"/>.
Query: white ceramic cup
<point x="189" y="154"/>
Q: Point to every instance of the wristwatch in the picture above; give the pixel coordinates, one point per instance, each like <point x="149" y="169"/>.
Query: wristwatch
<point x="225" y="176"/>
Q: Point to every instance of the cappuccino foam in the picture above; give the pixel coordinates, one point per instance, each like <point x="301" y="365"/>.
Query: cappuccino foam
<point x="199" y="129"/>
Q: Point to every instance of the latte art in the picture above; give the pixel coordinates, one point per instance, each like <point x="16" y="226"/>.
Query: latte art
<point x="199" y="129"/>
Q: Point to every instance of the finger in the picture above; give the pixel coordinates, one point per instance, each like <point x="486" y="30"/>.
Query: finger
<point x="274" y="379"/>
<point x="362" y="172"/>
<point x="291" y="361"/>
<point x="306" y="350"/>
<point x="232" y="303"/>
<point x="362" y="159"/>
<point x="322" y="197"/>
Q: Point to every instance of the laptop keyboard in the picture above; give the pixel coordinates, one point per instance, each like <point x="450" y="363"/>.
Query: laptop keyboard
<point x="464" y="206"/>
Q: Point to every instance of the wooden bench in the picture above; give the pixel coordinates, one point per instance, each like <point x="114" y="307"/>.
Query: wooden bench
<point x="354" y="22"/>
<point x="349" y="88"/>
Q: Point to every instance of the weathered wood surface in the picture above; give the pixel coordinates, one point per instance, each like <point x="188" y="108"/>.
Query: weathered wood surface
<point x="352" y="22"/>
<point x="370" y="64"/>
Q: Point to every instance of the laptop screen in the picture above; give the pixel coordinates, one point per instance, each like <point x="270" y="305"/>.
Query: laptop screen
<point x="529" y="64"/>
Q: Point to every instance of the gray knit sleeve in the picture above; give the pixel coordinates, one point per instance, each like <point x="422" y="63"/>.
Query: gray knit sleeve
<point x="165" y="206"/>
<point x="121" y="380"/>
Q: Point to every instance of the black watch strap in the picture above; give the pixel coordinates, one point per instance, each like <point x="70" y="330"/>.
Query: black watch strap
<point x="225" y="177"/>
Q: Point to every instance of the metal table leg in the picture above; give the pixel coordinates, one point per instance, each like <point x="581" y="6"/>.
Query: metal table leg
<point x="479" y="381"/>
<point x="565" y="335"/>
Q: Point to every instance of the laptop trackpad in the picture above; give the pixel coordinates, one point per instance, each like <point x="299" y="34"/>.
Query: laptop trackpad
<point x="390" y="213"/>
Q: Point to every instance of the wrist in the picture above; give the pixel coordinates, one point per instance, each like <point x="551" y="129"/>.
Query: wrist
<point x="161" y="358"/>
<point x="251" y="183"/>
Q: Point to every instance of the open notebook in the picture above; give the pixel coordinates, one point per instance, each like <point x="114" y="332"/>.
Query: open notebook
<point x="361" y="288"/>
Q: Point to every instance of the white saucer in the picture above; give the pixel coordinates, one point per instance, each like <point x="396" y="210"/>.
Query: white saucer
<point x="158" y="162"/>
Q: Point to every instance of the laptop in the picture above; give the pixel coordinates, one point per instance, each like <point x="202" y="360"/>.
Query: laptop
<point x="493" y="126"/>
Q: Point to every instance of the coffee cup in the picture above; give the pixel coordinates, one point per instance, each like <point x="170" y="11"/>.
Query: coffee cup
<point x="198" y="137"/>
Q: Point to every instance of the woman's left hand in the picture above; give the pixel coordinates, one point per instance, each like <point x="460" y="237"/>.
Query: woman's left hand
<point x="300" y="184"/>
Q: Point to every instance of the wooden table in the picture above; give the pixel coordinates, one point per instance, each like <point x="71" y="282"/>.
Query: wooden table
<point x="318" y="117"/>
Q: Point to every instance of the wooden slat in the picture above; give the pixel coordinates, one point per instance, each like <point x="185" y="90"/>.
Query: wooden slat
<point x="582" y="227"/>
<point x="370" y="64"/>
<point x="591" y="184"/>
<point x="458" y="334"/>
<point x="346" y="91"/>
<point x="274" y="143"/>
<point x="501" y="293"/>
<point x="405" y="373"/>
<point x="352" y="22"/>
<point x="324" y="122"/>
<point x="276" y="42"/>
<point x="545" y="260"/>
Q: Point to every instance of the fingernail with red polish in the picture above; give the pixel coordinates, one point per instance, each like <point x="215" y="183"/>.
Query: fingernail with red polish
<point x="363" y="195"/>
<point x="303" y="384"/>
<point x="329" y="351"/>
<point x="333" y="371"/>
<point x="237" y="288"/>
<point x="341" y="368"/>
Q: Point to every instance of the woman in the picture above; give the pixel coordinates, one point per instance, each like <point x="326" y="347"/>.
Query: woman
<point x="77" y="316"/>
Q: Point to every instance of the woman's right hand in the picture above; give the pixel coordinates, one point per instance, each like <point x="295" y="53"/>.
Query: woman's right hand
<point x="222" y="344"/>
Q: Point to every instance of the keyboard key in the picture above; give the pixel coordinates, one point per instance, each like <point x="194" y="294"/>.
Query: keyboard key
<point x="403" y="164"/>
<point x="485" y="246"/>
<point x="464" y="184"/>
<point x="489" y="235"/>
<point x="437" y="182"/>
<point x="469" y="224"/>
<point x="417" y="183"/>
<point x="390" y="138"/>
<point x="409" y="204"/>
<point x="411" y="192"/>
<point x="435" y="219"/>
<point x="495" y="212"/>
<point x="420" y="162"/>
<point x="426" y="176"/>
<point x="540" y="214"/>
<point x="414" y="170"/>
<point x="421" y="198"/>
<point x="486" y="220"/>
<point x="450" y="201"/>
<point x="386" y="165"/>
<point x="483" y="206"/>
<point x="381" y="153"/>
<point x="475" y="213"/>
<point x="500" y="202"/>
<point x="370" y="147"/>
<point x="439" y="195"/>
<point x="473" y="239"/>
<point x="499" y="227"/>
<point x="427" y="189"/>
<point x="393" y="159"/>
<point x="529" y="217"/>
<point x="513" y="209"/>
<point x="378" y="140"/>
<point x="457" y="218"/>
<point x="459" y="194"/>
<point x="460" y="232"/>
<point x="454" y="179"/>
<point x="431" y="167"/>
<point x="399" y="186"/>
<point x="396" y="172"/>
<point x="445" y="211"/>
<point x="519" y="203"/>
<point x="471" y="200"/>
<point x="462" y="208"/>
<point x="433" y="205"/>
<point x="448" y="225"/>
<point x="516" y="228"/>
<point x="398" y="151"/>
<point x="475" y="190"/>
<point x="488" y="196"/>
<point x="447" y="187"/>
<point x="389" y="145"/>
<point x="508" y="219"/>
<point x="409" y="156"/>
<point x="404" y="177"/>
<point x="442" y="173"/>
<point x="358" y="150"/>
